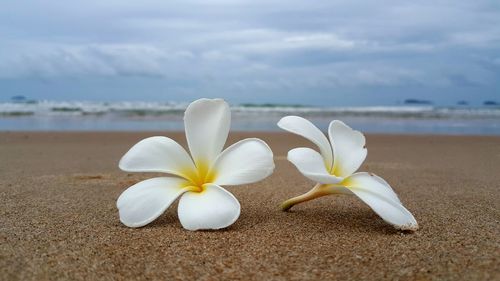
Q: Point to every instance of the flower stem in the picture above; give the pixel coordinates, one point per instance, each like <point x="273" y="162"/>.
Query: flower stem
<point x="317" y="191"/>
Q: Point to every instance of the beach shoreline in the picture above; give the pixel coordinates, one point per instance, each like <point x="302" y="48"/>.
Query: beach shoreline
<point x="59" y="219"/>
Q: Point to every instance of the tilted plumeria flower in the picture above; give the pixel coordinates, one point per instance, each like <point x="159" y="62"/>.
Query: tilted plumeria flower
<point x="334" y="170"/>
<point x="203" y="204"/>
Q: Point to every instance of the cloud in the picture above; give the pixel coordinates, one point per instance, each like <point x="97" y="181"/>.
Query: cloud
<point x="95" y="59"/>
<point x="257" y="45"/>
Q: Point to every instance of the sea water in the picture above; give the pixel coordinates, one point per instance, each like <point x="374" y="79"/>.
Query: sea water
<point x="168" y="116"/>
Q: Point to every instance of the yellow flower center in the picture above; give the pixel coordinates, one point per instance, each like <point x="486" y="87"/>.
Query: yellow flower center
<point x="199" y="177"/>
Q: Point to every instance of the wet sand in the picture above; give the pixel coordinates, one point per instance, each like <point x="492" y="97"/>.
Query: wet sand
<point x="58" y="218"/>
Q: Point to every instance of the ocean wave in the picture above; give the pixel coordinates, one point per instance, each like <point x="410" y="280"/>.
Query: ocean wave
<point x="152" y="109"/>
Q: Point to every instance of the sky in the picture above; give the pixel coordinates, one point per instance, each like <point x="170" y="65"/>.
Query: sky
<point x="322" y="52"/>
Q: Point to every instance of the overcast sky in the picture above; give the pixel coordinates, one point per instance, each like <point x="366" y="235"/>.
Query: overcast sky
<point x="313" y="52"/>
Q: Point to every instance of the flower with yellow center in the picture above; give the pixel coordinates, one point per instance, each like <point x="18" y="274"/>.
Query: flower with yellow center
<point x="197" y="179"/>
<point x="334" y="170"/>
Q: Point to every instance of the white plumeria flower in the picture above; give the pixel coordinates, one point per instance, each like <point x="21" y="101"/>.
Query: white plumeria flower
<point x="334" y="170"/>
<point x="204" y="204"/>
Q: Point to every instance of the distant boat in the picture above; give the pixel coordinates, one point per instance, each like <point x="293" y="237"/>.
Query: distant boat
<point x="22" y="99"/>
<point x="416" y="101"/>
<point x="462" y="102"/>
<point x="18" y="98"/>
<point x="490" y="102"/>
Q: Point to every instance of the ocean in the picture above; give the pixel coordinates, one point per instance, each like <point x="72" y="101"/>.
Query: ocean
<point x="167" y="116"/>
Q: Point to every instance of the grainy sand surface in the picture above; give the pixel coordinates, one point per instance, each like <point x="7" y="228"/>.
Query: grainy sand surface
<point x="58" y="218"/>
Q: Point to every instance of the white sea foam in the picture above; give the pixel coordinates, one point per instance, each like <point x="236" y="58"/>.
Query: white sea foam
<point x="134" y="109"/>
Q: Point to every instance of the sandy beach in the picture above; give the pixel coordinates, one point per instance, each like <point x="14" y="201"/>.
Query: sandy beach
<point x="58" y="219"/>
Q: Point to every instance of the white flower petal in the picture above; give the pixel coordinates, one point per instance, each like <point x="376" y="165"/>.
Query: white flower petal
<point x="247" y="161"/>
<point x="336" y="189"/>
<point x="213" y="208"/>
<point x="207" y="123"/>
<point x="348" y="148"/>
<point x="158" y="154"/>
<point x="376" y="184"/>
<point x="306" y="129"/>
<point x="145" y="201"/>
<point x="377" y="194"/>
<point x="311" y="165"/>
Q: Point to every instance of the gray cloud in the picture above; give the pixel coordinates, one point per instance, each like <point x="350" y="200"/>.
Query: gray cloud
<point x="246" y="46"/>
